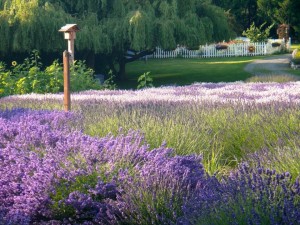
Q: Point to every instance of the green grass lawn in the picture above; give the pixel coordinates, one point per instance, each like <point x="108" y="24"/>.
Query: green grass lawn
<point x="296" y="72"/>
<point x="187" y="71"/>
<point x="294" y="46"/>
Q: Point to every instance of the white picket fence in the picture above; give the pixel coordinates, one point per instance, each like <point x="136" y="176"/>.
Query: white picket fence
<point x="207" y="51"/>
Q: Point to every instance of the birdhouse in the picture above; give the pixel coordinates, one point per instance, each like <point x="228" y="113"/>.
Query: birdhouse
<point x="70" y="35"/>
<point x="69" y="30"/>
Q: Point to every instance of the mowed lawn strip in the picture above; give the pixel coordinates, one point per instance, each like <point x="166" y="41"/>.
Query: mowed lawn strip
<point x="187" y="71"/>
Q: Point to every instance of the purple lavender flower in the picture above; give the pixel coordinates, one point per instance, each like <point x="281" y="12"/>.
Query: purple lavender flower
<point x="52" y="173"/>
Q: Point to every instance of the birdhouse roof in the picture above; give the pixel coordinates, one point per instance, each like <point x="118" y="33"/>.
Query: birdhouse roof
<point x="69" y="27"/>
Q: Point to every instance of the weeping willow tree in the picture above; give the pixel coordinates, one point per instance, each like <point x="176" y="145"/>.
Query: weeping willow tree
<point x="215" y="21"/>
<point x="5" y="33"/>
<point x="164" y="23"/>
<point x="110" y="27"/>
<point x="27" y="25"/>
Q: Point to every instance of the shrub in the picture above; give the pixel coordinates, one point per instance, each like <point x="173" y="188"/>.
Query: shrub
<point x="81" y="77"/>
<point x="145" y="81"/>
<point x="29" y="77"/>
<point x="248" y="196"/>
<point x="257" y="34"/>
<point x="109" y="83"/>
<point x="296" y="56"/>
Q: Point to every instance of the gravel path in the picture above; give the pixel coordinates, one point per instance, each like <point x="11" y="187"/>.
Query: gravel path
<point x="274" y="65"/>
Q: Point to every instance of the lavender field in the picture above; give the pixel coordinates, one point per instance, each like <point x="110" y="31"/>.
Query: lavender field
<point x="208" y="153"/>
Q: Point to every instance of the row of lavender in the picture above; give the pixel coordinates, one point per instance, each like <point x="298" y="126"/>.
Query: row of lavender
<point x="51" y="173"/>
<point x="223" y="122"/>
<point x="234" y="92"/>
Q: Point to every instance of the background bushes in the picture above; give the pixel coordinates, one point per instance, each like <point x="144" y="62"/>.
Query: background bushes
<point x="31" y="77"/>
<point x="296" y="56"/>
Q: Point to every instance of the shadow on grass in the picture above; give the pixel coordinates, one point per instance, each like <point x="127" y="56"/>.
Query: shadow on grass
<point x="187" y="71"/>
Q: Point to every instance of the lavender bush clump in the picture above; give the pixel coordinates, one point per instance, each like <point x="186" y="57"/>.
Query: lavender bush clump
<point x="160" y="185"/>
<point x="39" y="155"/>
<point x="23" y="172"/>
<point x="248" y="196"/>
<point x="52" y="171"/>
<point x="54" y="174"/>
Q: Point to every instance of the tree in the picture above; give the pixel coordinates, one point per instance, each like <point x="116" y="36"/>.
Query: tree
<point x="29" y="25"/>
<point x="109" y="28"/>
<point x="241" y="14"/>
<point x="281" y="12"/>
<point x="258" y="34"/>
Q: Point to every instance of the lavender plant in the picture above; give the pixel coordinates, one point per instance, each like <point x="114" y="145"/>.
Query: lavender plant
<point x="249" y="196"/>
<point x="51" y="173"/>
<point x="223" y="121"/>
<point x="35" y="152"/>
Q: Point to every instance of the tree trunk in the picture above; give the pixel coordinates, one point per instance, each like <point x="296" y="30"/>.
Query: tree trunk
<point x="124" y="59"/>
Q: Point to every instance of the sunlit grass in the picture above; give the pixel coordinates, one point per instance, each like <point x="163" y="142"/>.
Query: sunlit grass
<point x="230" y="62"/>
<point x="295" y="46"/>
<point x="188" y="71"/>
<point x="273" y="78"/>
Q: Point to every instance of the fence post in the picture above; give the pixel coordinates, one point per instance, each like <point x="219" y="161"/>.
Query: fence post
<point x="67" y="98"/>
<point x="289" y="43"/>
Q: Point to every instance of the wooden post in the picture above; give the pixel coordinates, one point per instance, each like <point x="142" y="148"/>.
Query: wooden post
<point x="67" y="98"/>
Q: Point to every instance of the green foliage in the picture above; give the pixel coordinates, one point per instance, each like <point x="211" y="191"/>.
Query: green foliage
<point x="281" y="158"/>
<point x="29" y="77"/>
<point x="145" y="81"/>
<point x="296" y="56"/>
<point x="28" y="25"/>
<point x="214" y="132"/>
<point x="109" y="83"/>
<point x="62" y="191"/>
<point x="280" y="12"/>
<point x="258" y="34"/>
<point x="110" y="27"/>
<point x="295" y="46"/>
<point x="6" y="81"/>
<point x="216" y="28"/>
<point x="54" y="77"/>
<point x="81" y="77"/>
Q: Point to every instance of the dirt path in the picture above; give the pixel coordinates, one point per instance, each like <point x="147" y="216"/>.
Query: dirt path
<point x="274" y="65"/>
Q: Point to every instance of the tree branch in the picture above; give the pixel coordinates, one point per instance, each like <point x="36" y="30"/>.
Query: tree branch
<point x="133" y="55"/>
